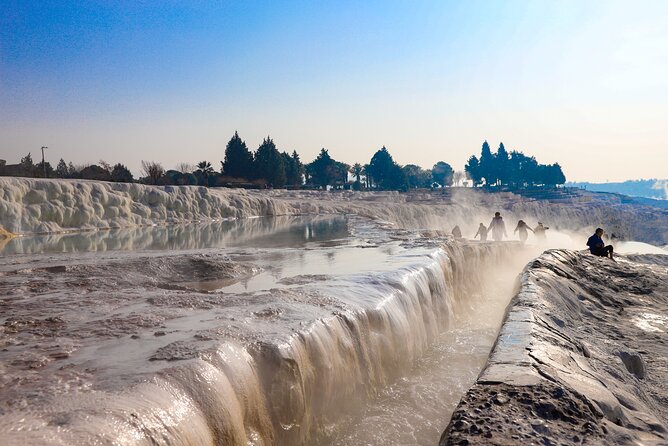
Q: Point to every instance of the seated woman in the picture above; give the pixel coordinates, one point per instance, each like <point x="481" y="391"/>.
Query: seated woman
<point x="596" y="245"/>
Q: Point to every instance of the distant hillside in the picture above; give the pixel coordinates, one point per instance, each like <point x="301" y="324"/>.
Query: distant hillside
<point x="656" y="189"/>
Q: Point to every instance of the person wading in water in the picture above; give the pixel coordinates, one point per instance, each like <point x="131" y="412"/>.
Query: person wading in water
<point x="482" y="232"/>
<point x="539" y="231"/>
<point x="498" y="227"/>
<point x="523" y="228"/>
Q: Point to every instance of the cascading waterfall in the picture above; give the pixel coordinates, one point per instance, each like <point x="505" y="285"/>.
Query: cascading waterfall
<point x="283" y="392"/>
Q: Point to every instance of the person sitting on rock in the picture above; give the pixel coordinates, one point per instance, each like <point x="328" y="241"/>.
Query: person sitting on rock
<point x="522" y="227"/>
<point x="456" y="232"/>
<point x="596" y="245"/>
<point x="482" y="232"/>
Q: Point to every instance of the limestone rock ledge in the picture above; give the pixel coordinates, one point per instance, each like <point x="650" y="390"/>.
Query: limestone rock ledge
<point x="582" y="358"/>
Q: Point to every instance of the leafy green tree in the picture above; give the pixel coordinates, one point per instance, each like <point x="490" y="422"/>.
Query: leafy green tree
<point x="238" y="159"/>
<point x="323" y="171"/>
<point x="61" y="169"/>
<point x="269" y="164"/>
<point x="121" y="174"/>
<point x="416" y="176"/>
<point x="551" y="175"/>
<point x="442" y="173"/>
<point x="529" y="171"/>
<point x="384" y="172"/>
<point x="558" y="174"/>
<point x="472" y="169"/>
<point x="94" y="172"/>
<point x="514" y="169"/>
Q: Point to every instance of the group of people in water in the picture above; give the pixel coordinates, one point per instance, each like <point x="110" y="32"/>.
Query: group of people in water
<point x="498" y="229"/>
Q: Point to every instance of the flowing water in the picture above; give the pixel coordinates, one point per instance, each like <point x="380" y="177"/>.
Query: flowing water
<point x="413" y="409"/>
<point x="293" y="330"/>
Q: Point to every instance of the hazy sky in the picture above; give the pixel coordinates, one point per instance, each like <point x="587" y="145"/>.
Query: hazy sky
<point x="584" y="83"/>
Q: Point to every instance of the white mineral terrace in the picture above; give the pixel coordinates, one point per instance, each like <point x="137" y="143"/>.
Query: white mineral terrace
<point x="135" y="315"/>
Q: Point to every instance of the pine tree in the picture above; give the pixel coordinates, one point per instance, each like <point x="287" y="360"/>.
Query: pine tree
<point x="61" y="169"/>
<point x="502" y="165"/>
<point x="27" y="166"/>
<point x="72" y="171"/>
<point x="322" y="170"/>
<point x="487" y="164"/>
<point x="238" y="159"/>
<point x="269" y="164"/>
<point x="299" y="173"/>
<point x="386" y="174"/>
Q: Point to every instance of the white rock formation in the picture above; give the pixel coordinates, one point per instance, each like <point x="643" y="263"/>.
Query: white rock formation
<point x="40" y="206"/>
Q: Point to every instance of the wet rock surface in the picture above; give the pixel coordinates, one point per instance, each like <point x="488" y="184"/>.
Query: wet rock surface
<point x="581" y="359"/>
<point x="544" y="414"/>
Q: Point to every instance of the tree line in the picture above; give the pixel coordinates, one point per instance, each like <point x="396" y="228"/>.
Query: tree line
<point x="269" y="167"/>
<point x="514" y="170"/>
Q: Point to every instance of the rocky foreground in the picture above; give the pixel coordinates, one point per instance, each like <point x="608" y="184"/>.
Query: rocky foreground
<point x="581" y="359"/>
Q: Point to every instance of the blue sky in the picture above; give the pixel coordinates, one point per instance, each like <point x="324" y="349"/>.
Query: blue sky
<point x="584" y="83"/>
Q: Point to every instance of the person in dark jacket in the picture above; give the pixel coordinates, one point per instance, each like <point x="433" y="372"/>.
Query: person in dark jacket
<point x="498" y="227"/>
<point x="596" y="245"/>
<point x="456" y="232"/>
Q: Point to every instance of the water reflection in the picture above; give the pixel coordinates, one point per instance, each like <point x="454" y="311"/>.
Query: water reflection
<point x="270" y="232"/>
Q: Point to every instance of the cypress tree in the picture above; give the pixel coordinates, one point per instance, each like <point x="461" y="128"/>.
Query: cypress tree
<point x="269" y="164"/>
<point x="487" y="164"/>
<point x="238" y="159"/>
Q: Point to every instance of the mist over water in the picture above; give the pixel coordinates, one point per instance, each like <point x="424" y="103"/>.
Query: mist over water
<point x="412" y="410"/>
